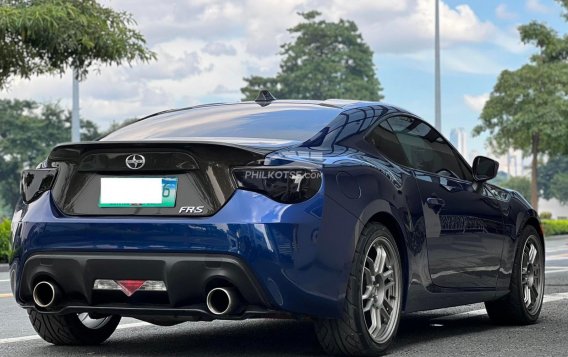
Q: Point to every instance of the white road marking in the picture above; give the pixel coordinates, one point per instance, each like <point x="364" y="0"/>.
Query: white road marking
<point x="36" y="337"/>
<point x="557" y="257"/>
<point x="553" y="270"/>
<point x="5" y="281"/>
<point x="481" y="312"/>
<point x="19" y="339"/>
<point x="556" y="297"/>
<point x="133" y="324"/>
<point x="461" y="315"/>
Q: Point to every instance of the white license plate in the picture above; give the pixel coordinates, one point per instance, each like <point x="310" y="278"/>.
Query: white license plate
<point x="138" y="192"/>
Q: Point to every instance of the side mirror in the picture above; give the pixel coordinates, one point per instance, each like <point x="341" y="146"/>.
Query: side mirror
<point x="484" y="168"/>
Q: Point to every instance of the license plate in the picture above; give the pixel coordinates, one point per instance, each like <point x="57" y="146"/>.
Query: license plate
<point x="138" y="192"/>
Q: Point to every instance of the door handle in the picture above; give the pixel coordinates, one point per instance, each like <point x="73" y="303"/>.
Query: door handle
<point x="435" y="202"/>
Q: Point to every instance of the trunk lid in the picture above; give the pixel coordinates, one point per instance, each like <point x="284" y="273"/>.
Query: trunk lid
<point x="199" y="172"/>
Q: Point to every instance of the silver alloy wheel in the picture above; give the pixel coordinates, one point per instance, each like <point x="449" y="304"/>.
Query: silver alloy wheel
<point x="381" y="289"/>
<point x="532" y="275"/>
<point x="93" y="324"/>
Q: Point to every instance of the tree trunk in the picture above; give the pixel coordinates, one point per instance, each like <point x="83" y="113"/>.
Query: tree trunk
<point x="534" y="170"/>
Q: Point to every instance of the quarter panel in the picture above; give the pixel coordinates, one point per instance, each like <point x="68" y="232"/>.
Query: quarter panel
<point x="516" y="218"/>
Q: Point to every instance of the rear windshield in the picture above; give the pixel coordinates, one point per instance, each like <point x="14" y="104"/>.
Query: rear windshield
<point x="285" y="121"/>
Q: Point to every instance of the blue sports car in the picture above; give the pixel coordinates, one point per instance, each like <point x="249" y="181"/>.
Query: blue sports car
<point x="344" y="212"/>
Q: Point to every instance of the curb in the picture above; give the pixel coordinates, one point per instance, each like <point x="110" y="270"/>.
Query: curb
<point x="4" y="268"/>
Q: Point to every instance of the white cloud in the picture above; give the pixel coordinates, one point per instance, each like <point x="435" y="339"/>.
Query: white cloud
<point x="476" y="102"/>
<point x="502" y="12"/>
<point x="206" y="47"/>
<point x="219" y="49"/>
<point x="536" y="6"/>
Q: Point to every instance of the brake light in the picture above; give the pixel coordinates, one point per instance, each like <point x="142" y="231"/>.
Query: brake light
<point x="285" y="185"/>
<point x="35" y="182"/>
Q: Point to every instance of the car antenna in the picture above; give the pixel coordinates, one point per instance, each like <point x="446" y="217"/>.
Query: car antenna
<point x="264" y="98"/>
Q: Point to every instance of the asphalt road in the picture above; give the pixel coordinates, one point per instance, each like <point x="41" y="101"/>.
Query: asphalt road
<point x="464" y="331"/>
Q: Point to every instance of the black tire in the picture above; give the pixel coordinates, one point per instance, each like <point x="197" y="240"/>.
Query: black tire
<point x="512" y="309"/>
<point x="69" y="330"/>
<point x="350" y="334"/>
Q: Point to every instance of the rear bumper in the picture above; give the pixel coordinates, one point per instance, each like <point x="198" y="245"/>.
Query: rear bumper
<point x="187" y="277"/>
<point x="292" y="259"/>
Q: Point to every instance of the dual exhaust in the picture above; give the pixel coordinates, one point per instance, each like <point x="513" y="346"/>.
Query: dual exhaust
<point x="220" y="301"/>
<point x="46" y="294"/>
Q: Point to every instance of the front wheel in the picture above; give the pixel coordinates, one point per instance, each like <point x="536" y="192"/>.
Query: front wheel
<point x="73" y="329"/>
<point x="523" y="303"/>
<point x="373" y="301"/>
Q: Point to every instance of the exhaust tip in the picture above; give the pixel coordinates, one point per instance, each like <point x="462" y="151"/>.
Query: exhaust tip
<point x="44" y="294"/>
<point x="222" y="301"/>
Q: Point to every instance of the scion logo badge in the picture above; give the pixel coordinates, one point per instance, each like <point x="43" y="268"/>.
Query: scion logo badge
<point x="135" y="161"/>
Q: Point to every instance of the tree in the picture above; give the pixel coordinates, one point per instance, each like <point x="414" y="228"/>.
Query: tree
<point x="500" y="178"/>
<point x="50" y="36"/>
<point x="520" y="184"/>
<point x="559" y="187"/>
<point x="117" y="125"/>
<point x="548" y="171"/>
<point x="325" y="60"/>
<point x="28" y="131"/>
<point x="528" y="108"/>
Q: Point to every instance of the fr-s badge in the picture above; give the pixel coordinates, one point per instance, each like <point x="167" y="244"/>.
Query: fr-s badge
<point x="191" y="209"/>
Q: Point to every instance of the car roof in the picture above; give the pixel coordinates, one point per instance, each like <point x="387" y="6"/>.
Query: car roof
<point x="299" y="119"/>
<point x="343" y="104"/>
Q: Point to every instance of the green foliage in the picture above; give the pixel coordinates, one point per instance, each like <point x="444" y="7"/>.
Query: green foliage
<point x="559" y="187"/>
<point x="545" y="215"/>
<point x="546" y="173"/>
<point x="326" y="60"/>
<point x="5" y="236"/>
<point x="117" y="125"/>
<point x="499" y="179"/>
<point x="49" y="36"/>
<point x="528" y="108"/>
<point x="553" y="48"/>
<point x="554" y="227"/>
<point x="28" y="131"/>
<point x="528" y="101"/>
<point x="520" y="184"/>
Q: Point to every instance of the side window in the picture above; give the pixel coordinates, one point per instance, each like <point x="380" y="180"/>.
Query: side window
<point x="386" y="142"/>
<point x="426" y="149"/>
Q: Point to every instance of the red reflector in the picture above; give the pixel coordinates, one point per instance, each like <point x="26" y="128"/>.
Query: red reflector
<point x="130" y="286"/>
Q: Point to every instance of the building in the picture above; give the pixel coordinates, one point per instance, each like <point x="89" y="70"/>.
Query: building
<point x="458" y="138"/>
<point x="513" y="163"/>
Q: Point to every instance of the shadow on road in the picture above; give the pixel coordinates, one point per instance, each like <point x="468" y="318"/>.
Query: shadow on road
<point x="256" y="338"/>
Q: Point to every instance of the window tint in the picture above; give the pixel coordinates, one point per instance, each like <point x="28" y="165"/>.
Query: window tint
<point x="386" y="142"/>
<point x="425" y="148"/>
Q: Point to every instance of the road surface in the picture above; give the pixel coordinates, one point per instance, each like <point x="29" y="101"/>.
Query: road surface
<point x="464" y="331"/>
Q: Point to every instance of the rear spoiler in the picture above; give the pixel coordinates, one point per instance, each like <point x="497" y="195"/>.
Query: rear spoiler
<point x="73" y="151"/>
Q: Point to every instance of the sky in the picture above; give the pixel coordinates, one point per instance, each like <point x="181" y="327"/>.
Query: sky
<point x="206" y="47"/>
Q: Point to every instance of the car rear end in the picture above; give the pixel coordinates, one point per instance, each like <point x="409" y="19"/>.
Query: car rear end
<point x="164" y="229"/>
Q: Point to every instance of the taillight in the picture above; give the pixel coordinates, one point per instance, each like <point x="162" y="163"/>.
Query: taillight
<point x="285" y="185"/>
<point x="35" y="182"/>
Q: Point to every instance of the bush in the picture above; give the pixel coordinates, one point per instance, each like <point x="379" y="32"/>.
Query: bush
<point x="5" y="227"/>
<point x="545" y="215"/>
<point x="554" y="227"/>
<point x="520" y="184"/>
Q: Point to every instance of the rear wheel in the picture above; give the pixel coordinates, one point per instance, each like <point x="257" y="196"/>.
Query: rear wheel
<point x="73" y="329"/>
<point x="373" y="301"/>
<point x="523" y="303"/>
